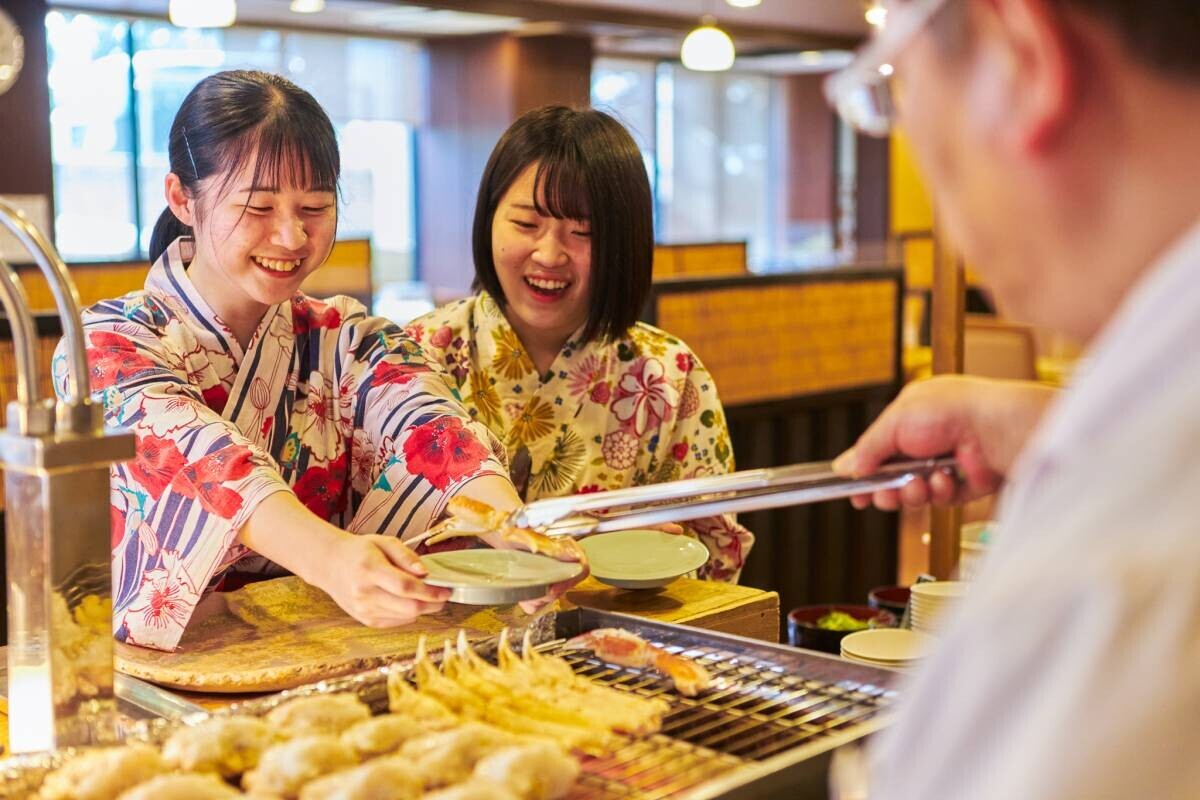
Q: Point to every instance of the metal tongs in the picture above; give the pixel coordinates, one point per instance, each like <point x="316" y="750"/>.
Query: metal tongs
<point x="748" y="490"/>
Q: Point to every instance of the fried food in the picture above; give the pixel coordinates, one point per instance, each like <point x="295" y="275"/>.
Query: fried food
<point x="470" y="517"/>
<point x="182" y="787"/>
<point x="617" y="646"/>
<point x="326" y="714"/>
<point x="284" y="769"/>
<point x="227" y="746"/>
<point x="386" y="733"/>
<point x="103" y="774"/>
<point x="537" y="771"/>
<point x="382" y="779"/>
<point x="448" y="757"/>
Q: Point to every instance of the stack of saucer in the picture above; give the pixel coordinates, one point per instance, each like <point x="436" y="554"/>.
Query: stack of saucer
<point x="886" y="647"/>
<point x="932" y="602"/>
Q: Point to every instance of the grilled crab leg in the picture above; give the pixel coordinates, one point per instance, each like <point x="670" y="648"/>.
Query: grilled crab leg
<point x="617" y="646"/>
<point x="470" y="517"/>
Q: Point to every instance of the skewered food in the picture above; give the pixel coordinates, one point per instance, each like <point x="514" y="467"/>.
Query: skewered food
<point x="103" y="774"/>
<point x="470" y="517"/>
<point x="323" y="714"/>
<point x="536" y="771"/>
<point x="388" y="778"/>
<point x="227" y="746"/>
<point x="630" y="650"/>
<point x="284" y="768"/>
<point x="182" y="787"/>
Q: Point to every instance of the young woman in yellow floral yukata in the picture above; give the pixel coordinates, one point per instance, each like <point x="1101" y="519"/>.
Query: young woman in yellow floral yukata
<point x="549" y="353"/>
<point x="275" y="432"/>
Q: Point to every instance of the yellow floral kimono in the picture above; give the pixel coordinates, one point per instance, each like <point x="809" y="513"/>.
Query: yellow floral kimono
<point x="607" y="415"/>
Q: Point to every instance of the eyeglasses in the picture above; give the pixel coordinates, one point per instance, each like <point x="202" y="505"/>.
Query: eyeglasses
<point x="862" y="92"/>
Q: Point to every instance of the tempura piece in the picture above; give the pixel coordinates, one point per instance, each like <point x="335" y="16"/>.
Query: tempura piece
<point x="385" y="733"/>
<point x="472" y="790"/>
<point x="182" y="787"/>
<point x="539" y="771"/>
<point x="449" y="756"/>
<point x="470" y="517"/>
<point x="326" y="714"/>
<point x="382" y="779"/>
<point x="103" y="774"/>
<point x="630" y="650"/>
<point x="227" y="746"/>
<point x="284" y="768"/>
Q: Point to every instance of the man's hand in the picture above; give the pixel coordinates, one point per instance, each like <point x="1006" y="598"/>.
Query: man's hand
<point x="983" y="423"/>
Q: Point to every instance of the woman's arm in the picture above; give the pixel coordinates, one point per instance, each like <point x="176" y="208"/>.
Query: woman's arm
<point x="375" y="579"/>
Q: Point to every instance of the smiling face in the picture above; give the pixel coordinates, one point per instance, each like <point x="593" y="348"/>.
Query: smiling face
<point x="255" y="244"/>
<point x="543" y="264"/>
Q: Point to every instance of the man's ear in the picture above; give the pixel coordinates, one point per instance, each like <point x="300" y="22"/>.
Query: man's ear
<point x="182" y="204"/>
<point x="1044" y="88"/>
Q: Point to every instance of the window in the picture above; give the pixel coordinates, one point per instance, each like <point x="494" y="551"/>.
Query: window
<point x="717" y="146"/>
<point x="101" y="141"/>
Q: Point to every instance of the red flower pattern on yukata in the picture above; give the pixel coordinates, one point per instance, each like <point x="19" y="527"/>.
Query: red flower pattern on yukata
<point x="387" y="372"/>
<point x="680" y="451"/>
<point x="204" y="479"/>
<point x="323" y="489"/>
<point x="645" y="397"/>
<point x="113" y="359"/>
<point x="116" y="526"/>
<point x="685" y="361"/>
<point x="442" y="337"/>
<point x="443" y="452"/>
<point x="215" y="397"/>
<point x="165" y="598"/>
<point x="308" y="314"/>
<point x="158" y="462"/>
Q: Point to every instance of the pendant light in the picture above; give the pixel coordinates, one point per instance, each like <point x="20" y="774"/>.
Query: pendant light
<point x="707" y="48"/>
<point x="744" y="3"/>
<point x="307" y="6"/>
<point x="202" y="13"/>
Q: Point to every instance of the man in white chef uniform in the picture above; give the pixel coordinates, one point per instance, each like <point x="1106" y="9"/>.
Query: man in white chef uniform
<point x="1061" y="139"/>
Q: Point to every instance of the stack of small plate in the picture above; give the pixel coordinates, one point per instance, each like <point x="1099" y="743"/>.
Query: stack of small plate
<point x="887" y="647"/>
<point x="932" y="603"/>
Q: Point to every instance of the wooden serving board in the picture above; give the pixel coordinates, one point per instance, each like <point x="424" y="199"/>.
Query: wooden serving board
<point x="283" y="633"/>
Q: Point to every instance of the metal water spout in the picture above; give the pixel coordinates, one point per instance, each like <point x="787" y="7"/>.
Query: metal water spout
<point x="56" y="457"/>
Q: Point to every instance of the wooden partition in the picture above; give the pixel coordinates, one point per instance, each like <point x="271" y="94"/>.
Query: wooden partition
<point x="706" y="259"/>
<point x="347" y="271"/>
<point x="802" y="362"/>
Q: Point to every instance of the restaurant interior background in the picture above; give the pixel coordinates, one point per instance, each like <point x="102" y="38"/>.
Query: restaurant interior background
<point x="795" y="257"/>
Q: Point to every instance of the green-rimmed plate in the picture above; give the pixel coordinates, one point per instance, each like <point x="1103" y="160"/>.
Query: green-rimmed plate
<point x="642" y="559"/>
<point x="495" y="577"/>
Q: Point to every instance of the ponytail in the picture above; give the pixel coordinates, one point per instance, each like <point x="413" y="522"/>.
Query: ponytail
<point x="167" y="229"/>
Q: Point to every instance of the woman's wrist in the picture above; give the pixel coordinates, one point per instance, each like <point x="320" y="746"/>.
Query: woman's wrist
<point x="286" y="532"/>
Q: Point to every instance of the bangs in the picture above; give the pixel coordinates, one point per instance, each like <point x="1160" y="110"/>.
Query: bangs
<point x="287" y="155"/>
<point x="561" y="184"/>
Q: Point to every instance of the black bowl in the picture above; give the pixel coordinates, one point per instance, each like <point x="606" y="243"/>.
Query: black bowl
<point x="804" y="632"/>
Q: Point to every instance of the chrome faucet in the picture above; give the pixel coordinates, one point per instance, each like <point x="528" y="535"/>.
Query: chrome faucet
<point x="56" y="457"/>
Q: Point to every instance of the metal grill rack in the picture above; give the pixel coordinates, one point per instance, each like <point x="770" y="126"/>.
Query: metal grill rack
<point x="760" y="713"/>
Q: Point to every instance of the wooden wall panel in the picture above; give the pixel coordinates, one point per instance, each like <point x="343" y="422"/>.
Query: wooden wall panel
<point x="811" y="129"/>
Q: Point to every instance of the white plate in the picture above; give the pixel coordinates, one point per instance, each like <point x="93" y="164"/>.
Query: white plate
<point x="642" y="559"/>
<point x="888" y="645"/>
<point x="495" y="577"/>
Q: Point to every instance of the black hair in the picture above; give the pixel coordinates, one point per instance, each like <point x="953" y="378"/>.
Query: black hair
<point x="233" y="116"/>
<point x="588" y="167"/>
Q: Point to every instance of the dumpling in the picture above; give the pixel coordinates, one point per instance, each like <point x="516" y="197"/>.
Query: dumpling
<point x="314" y="716"/>
<point x="381" y="779"/>
<point x="284" y="768"/>
<point x="182" y="787"/>
<point x="226" y="745"/>
<point x="536" y="771"/>
<point x="449" y="756"/>
<point x="103" y="774"/>
<point x="385" y="733"/>
<point x="472" y="790"/>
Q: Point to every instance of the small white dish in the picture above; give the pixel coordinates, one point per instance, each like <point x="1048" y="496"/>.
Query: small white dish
<point x="887" y="646"/>
<point x="495" y="577"/>
<point x="642" y="559"/>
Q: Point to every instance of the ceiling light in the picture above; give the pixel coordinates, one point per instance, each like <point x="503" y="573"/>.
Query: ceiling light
<point x="307" y="6"/>
<point x="202" y="13"/>
<point x="744" y="3"/>
<point x="886" y="70"/>
<point x="876" y="14"/>
<point x="707" y="48"/>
